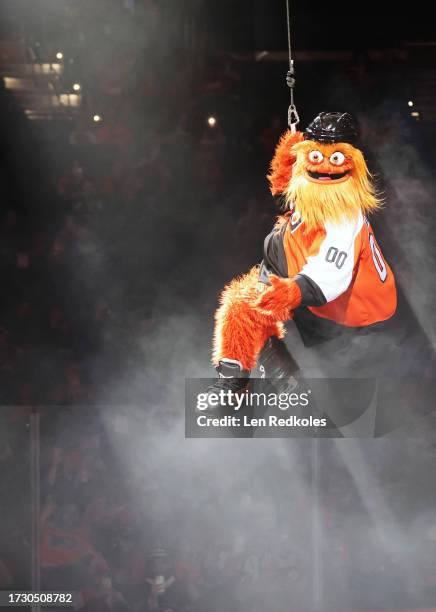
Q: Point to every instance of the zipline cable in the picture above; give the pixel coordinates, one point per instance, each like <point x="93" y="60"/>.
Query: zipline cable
<point x="288" y="19"/>
<point x="293" y="118"/>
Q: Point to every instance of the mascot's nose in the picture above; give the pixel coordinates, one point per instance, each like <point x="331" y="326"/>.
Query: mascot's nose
<point x="326" y="167"/>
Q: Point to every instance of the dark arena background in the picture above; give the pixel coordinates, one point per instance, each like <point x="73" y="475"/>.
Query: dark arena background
<point x="135" y="140"/>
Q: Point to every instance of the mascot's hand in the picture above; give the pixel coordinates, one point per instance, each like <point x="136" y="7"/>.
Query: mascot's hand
<point x="279" y="300"/>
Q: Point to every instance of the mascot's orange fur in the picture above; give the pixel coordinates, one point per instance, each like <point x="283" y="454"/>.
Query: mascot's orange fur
<point x="323" y="182"/>
<point x="242" y="323"/>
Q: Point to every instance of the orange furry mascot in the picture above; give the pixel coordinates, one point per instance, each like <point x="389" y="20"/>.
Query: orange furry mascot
<point x="321" y="254"/>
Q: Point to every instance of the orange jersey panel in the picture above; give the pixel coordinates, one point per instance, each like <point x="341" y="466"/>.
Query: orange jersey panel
<point x="344" y="264"/>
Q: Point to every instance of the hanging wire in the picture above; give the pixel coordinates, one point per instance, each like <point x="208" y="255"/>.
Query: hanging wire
<point x="288" y="18"/>
<point x="293" y="118"/>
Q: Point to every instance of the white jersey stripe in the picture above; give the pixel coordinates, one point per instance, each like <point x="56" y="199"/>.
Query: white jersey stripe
<point x="332" y="267"/>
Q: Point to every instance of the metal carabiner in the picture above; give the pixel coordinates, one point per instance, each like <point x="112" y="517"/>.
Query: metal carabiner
<point x="293" y="118"/>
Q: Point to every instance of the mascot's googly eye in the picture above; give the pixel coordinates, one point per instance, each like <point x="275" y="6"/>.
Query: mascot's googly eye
<point x="315" y="156"/>
<point x="337" y="158"/>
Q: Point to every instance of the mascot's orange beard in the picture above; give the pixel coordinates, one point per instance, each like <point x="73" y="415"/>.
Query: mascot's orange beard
<point x="334" y="201"/>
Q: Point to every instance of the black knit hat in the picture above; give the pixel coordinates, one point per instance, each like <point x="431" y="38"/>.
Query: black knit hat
<point x="333" y="127"/>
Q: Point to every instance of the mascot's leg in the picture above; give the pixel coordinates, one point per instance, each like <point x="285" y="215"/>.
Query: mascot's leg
<point x="243" y="335"/>
<point x="240" y="329"/>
